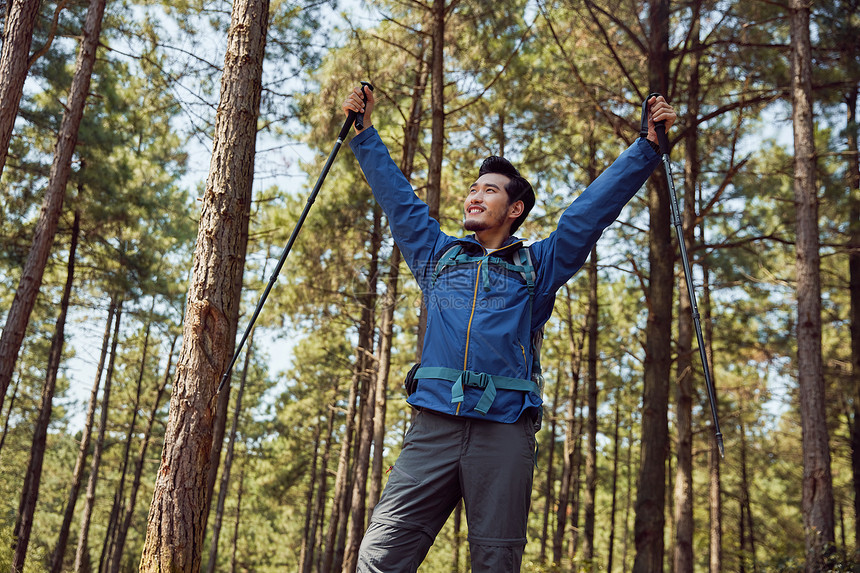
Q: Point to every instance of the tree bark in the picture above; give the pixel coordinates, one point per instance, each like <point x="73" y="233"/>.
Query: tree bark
<point x="715" y="558"/>
<point x="745" y="529"/>
<point x="614" y="484"/>
<point x="219" y="428"/>
<point x="82" y="554"/>
<point x="336" y="536"/>
<point x="21" y="18"/>
<point x="715" y="555"/>
<point x="383" y="370"/>
<point x="9" y="414"/>
<point x="570" y="438"/>
<point x="650" y="500"/>
<point x="33" y="477"/>
<point x="52" y="204"/>
<point x="125" y="525"/>
<point x="854" y="288"/>
<point x="549" y="490"/>
<point x="174" y="536"/>
<point x="576" y="482"/>
<point x="591" y="451"/>
<point x="438" y="13"/>
<point x="83" y="450"/>
<point x="233" y="560"/>
<point x="370" y="378"/>
<point x="315" y="557"/>
<point x="307" y="551"/>
<point x="628" y="499"/>
<point x="115" y="512"/>
<point x="683" y="493"/>
<point x="817" y="498"/>
<point x="228" y="460"/>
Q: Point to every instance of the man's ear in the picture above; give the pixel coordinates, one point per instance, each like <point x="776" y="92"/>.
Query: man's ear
<point x="516" y="209"/>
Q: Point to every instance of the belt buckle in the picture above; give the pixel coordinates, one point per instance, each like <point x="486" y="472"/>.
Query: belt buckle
<point x="476" y="379"/>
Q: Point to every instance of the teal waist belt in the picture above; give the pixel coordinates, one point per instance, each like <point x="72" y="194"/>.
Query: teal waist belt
<point x="488" y="382"/>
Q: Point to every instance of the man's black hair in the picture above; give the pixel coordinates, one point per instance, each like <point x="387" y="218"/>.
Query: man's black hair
<point x="518" y="188"/>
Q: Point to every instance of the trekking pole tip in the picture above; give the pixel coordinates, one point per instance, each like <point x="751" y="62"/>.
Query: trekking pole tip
<point x="720" y="446"/>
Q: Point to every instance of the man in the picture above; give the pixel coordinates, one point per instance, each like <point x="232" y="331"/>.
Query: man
<point x="486" y="295"/>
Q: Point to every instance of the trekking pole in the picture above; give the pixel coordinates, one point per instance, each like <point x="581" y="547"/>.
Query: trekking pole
<point x="352" y="117"/>
<point x="663" y="141"/>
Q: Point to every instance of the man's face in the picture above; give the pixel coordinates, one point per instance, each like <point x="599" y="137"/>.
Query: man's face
<point x="486" y="205"/>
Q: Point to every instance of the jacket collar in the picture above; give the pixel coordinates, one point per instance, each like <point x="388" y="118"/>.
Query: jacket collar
<point x="471" y="244"/>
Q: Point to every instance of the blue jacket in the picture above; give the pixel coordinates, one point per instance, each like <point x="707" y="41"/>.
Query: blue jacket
<point x="478" y="314"/>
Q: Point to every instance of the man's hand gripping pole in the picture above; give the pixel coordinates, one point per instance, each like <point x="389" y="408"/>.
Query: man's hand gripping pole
<point x="351" y="118"/>
<point x="663" y="141"/>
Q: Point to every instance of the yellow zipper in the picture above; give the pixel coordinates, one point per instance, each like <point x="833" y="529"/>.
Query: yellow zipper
<point x="472" y="316"/>
<point x="469" y="327"/>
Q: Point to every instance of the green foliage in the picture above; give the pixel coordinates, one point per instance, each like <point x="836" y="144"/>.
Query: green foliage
<point x="556" y="87"/>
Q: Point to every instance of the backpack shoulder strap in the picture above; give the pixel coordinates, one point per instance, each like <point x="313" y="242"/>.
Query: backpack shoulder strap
<point x="523" y="260"/>
<point x="447" y="259"/>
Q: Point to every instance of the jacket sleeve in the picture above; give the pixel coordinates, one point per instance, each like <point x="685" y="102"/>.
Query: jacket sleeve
<point x="562" y="253"/>
<point x="416" y="233"/>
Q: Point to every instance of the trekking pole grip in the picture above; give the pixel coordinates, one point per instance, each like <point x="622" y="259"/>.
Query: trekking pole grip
<point x="354" y="117"/>
<point x="659" y="126"/>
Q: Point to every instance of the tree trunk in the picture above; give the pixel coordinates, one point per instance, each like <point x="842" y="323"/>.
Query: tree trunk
<point x="438" y="13"/>
<point x="33" y="477"/>
<point x="315" y="557"/>
<point x="591" y="452"/>
<point x="383" y="370"/>
<point x="9" y="414"/>
<point x="340" y="482"/>
<point x="683" y="494"/>
<point x="52" y="204"/>
<point x="549" y="491"/>
<point x="569" y="439"/>
<point x="854" y="288"/>
<point x="371" y="378"/>
<point x="228" y="460"/>
<point x="715" y="559"/>
<point x="233" y="553"/>
<point x="437" y="107"/>
<point x="745" y="529"/>
<point x="614" y="485"/>
<point x="213" y="303"/>
<point x="77" y="475"/>
<point x="125" y="525"/>
<point x="336" y="536"/>
<point x="21" y="18"/>
<point x="115" y="512"/>
<point x="576" y="481"/>
<point x="817" y="502"/>
<point x="668" y="510"/>
<point x="628" y="499"/>
<point x="219" y="428"/>
<point x="307" y="551"/>
<point x="82" y="554"/>
<point x="650" y="499"/>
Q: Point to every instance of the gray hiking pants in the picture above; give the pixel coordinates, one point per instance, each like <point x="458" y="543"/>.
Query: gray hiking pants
<point x="487" y="464"/>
